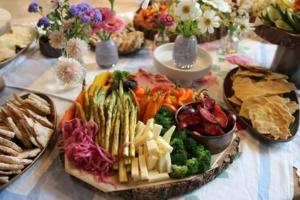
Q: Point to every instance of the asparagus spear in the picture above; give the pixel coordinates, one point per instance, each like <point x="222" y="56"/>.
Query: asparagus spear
<point x="86" y="100"/>
<point x="133" y="116"/>
<point x="110" y="103"/>
<point x="122" y="172"/>
<point x="126" y="126"/>
<point x="116" y="135"/>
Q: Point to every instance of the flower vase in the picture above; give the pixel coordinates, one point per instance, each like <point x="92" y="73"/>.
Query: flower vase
<point x="47" y="50"/>
<point x="230" y="43"/>
<point x="161" y="38"/>
<point x="107" y="53"/>
<point x="185" y="52"/>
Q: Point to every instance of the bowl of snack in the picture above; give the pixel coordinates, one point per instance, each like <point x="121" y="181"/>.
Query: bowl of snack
<point x="212" y="125"/>
<point x="163" y="61"/>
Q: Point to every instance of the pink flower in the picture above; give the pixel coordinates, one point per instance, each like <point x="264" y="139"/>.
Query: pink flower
<point x="106" y="13"/>
<point x="113" y="24"/>
<point x="167" y="19"/>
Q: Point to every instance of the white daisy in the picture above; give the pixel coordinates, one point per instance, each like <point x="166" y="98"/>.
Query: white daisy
<point x="69" y="70"/>
<point x="209" y="21"/>
<point x="76" y="48"/>
<point x="220" y="5"/>
<point x="56" y="39"/>
<point x="244" y="26"/>
<point x="188" y="9"/>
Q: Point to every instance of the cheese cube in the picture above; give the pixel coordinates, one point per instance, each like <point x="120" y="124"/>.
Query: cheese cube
<point x="168" y="163"/>
<point x="135" y="174"/>
<point x="155" y="177"/>
<point x="143" y="138"/>
<point x="143" y="168"/>
<point x="156" y="130"/>
<point x="151" y="162"/>
<point x="162" y="163"/>
<point x="164" y="147"/>
<point x="152" y="147"/>
<point x="139" y="130"/>
<point x="168" y="135"/>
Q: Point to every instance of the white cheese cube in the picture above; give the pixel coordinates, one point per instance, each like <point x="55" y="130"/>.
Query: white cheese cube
<point x="151" y="162"/>
<point x="143" y="168"/>
<point x="152" y="147"/>
<point x="168" y="135"/>
<point x="156" y="130"/>
<point x="156" y="177"/>
<point x="143" y="138"/>
<point x="162" y="163"/>
<point x="164" y="147"/>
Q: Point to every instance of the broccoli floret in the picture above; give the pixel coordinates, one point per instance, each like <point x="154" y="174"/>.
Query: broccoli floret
<point x="190" y="145"/>
<point x="179" y="171"/>
<point x="177" y="145"/>
<point x="179" y="157"/>
<point x="193" y="166"/>
<point x="181" y="134"/>
<point x="204" y="158"/>
<point x="165" y="118"/>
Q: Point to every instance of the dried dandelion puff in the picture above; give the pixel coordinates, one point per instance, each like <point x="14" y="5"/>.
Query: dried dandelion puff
<point x="69" y="71"/>
<point x="76" y="48"/>
<point x="56" y="39"/>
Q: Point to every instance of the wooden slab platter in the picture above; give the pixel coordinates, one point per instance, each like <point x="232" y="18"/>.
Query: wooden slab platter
<point x="53" y="119"/>
<point x="165" y="189"/>
<point x="228" y="92"/>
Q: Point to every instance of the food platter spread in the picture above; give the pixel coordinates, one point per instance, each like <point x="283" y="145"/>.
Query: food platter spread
<point x="122" y="136"/>
<point x="266" y="102"/>
<point x="28" y="125"/>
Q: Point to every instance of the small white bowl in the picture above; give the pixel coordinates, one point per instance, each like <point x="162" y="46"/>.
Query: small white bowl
<point x="163" y="61"/>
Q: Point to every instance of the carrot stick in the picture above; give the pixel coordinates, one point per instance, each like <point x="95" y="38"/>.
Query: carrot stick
<point x="70" y="113"/>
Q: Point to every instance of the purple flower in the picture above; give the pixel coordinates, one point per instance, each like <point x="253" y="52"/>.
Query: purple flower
<point x="97" y="16"/>
<point x="44" y="21"/>
<point x="167" y="19"/>
<point x="84" y="7"/>
<point x="85" y="19"/>
<point x="33" y="7"/>
<point x="74" y="10"/>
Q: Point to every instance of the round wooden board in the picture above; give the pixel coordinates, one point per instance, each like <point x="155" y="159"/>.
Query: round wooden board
<point x="165" y="190"/>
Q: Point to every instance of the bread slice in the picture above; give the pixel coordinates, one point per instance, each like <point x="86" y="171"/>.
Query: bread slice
<point x="42" y="120"/>
<point x="29" y="153"/>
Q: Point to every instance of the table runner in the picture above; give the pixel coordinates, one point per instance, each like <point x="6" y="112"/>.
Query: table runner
<point x="259" y="172"/>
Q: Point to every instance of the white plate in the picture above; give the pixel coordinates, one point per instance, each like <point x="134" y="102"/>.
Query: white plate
<point x="164" y="63"/>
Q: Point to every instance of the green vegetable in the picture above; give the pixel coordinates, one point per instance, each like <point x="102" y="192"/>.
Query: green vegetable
<point x="165" y="118"/>
<point x="120" y="75"/>
<point x="190" y="145"/>
<point x="179" y="171"/>
<point x="177" y="145"/>
<point x="204" y="157"/>
<point x="179" y="157"/>
<point x="193" y="166"/>
<point x="180" y="134"/>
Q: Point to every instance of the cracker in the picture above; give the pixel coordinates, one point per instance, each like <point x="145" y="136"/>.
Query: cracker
<point x="10" y="144"/>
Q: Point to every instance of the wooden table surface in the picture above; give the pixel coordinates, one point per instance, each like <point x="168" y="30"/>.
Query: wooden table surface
<point x="18" y="9"/>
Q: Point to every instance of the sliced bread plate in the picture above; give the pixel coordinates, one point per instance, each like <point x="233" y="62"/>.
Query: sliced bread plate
<point x="26" y="132"/>
<point x="291" y="95"/>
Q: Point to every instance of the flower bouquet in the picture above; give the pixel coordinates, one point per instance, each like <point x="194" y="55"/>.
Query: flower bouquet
<point x="65" y="32"/>
<point x="106" y="49"/>
<point x="62" y="23"/>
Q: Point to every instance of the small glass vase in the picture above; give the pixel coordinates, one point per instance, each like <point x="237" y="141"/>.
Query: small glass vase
<point x="185" y="52"/>
<point x="230" y="43"/>
<point x="161" y="38"/>
<point x="107" y="55"/>
<point x="69" y="72"/>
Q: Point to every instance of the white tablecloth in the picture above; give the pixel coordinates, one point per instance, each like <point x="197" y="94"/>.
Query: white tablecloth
<point x="259" y="172"/>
